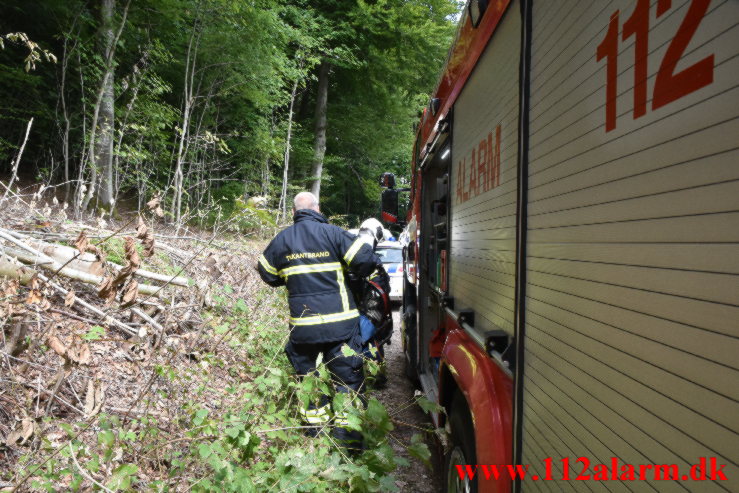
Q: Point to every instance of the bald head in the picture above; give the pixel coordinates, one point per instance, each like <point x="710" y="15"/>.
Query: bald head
<point x="305" y="200"/>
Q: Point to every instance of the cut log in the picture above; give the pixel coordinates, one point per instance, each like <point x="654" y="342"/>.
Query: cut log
<point x="70" y="257"/>
<point x="15" y="270"/>
<point x="87" y="262"/>
<point x="41" y="260"/>
<point x="51" y="265"/>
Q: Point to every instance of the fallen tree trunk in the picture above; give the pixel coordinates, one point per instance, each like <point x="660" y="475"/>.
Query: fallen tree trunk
<point x="39" y="259"/>
<point x="178" y="254"/>
<point x="87" y="262"/>
<point x="78" y="275"/>
<point x="12" y="270"/>
<point x="69" y="257"/>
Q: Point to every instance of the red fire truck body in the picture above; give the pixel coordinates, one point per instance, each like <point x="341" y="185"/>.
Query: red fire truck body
<point x="572" y="266"/>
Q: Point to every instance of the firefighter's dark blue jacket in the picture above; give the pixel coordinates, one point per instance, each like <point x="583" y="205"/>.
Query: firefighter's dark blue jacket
<point x="311" y="258"/>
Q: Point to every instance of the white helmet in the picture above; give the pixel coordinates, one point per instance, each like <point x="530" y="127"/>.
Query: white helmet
<point x="372" y="230"/>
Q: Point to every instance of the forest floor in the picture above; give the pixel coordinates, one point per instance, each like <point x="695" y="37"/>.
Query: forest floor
<point x="398" y="397"/>
<point x="108" y="389"/>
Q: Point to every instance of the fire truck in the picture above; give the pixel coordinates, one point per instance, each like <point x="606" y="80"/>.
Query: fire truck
<point x="571" y="293"/>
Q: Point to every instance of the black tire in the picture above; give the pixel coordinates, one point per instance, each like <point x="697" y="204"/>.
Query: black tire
<point x="462" y="450"/>
<point x="409" y="333"/>
<point x="409" y="348"/>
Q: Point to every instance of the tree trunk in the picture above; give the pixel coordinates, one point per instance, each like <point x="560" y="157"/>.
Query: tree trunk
<point x="80" y="189"/>
<point x="103" y="115"/>
<point x="135" y="85"/>
<point x="67" y="124"/>
<point x="265" y="169"/>
<point x="319" y="150"/>
<point x="106" y="119"/>
<point x="38" y="259"/>
<point x="18" y="160"/>
<point x="83" y="262"/>
<point x="282" y="207"/>
<point x="12" y="269"/>
<point x="190" y="60"/>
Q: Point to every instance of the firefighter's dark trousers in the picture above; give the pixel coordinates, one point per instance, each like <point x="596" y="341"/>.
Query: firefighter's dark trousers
<point x="346" y="372"/>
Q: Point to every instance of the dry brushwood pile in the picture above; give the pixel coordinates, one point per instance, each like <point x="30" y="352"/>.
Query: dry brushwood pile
<point x="93" y="313"/>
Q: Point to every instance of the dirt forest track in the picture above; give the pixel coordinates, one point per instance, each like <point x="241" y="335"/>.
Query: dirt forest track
<point x="398" y="397"/>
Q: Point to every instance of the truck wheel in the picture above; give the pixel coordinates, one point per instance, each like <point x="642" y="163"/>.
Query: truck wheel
<point x="409" y="348"/>
<point x="462" y="447"/>
<point x="410" y="338"/>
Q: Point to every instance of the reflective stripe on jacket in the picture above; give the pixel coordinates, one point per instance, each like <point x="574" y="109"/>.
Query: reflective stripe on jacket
<point x="310" y="258"/>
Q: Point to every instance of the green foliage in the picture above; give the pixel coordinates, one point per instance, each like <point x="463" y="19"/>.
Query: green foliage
<point x="114" y="249"/>
<point x="94" y="334"/>
<point x="248" y="56"/>
<point x="122" y="477"/>
<point x="226" y="196"/>
<point x="429" y="406"/>
<point x="419" y="449"/>
<point x="261" y="445"/>
<point x="238" y="214"/>
<point x="399" y="47"/>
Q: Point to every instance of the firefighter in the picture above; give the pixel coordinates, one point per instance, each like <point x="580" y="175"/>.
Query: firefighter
<point x="372" y="297"/>
<point x="311" y="258"/>
<point x="372" y="232"/>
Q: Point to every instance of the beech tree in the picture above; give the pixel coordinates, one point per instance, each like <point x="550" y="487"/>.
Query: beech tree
<point x="103" y="122"/>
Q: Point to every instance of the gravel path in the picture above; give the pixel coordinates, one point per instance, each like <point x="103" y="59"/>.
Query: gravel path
<point x="398" y="397"/>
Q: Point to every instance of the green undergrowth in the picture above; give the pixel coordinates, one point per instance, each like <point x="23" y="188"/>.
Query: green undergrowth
<point x="261" y="445"/>
<point x="237" y="215"/>
<point x="235" y="426"/>
<point x="114" y="250"/>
